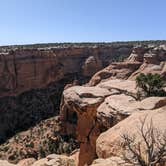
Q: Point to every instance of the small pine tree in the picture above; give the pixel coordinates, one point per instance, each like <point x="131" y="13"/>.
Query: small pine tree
<point x="151" y="84"/>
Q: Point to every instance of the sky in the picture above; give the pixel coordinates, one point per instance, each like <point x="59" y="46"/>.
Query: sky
<point x="50" y="21"/>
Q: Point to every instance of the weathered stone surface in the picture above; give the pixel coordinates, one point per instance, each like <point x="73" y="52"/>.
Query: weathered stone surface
<point x="117" y="107"/>
<point x="91" y="66"/>
<point x="26" y="162"/>
<point x="6" y="163"/>
<point x="84" y="110"/>
<point x="123" y="86"/>
<point x="137" y="54"/>
<point x="75" y="156"/>
<point x="121" y="70"/>
<point x="109" y="143"/>
<point x="114" y="109"/>
<point x="88" y="111"/>
<point x="112" y="161"/>
<point x="143" y="59"/>
<point x="55" y="160"/>
<point x="25" y="69"/>
<point x="78" y="114"/>
<point x="32" y="80"/>
<point x="153" y="61"/>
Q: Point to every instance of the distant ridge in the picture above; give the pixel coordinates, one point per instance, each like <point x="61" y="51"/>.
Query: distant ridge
<point x="81" y="44"/>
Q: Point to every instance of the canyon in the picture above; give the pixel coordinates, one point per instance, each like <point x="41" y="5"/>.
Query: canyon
<point x="32" y="80"/>
<point x="92" y="89"/>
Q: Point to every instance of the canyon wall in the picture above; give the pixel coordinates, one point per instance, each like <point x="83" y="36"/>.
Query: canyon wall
<point x="110" y="97"/>
<point x="32" y="80"/>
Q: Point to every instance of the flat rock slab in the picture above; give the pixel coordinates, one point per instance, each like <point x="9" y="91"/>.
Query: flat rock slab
<point x="85" y="96"/>
<point x="108" y="143"/>
<point x="127" y="86"/>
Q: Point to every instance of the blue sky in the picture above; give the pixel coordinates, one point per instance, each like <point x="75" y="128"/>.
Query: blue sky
<point x="45" y="21"/>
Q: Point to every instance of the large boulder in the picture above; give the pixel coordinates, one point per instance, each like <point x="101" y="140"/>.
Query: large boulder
<point x="110" y="142"/>
<point x="55" y="160"/>
<point x="112" y="161"/>
<point x="118" y="107"/>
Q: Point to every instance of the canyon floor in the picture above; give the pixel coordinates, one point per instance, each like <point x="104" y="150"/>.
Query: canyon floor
<point x="71" y="106"/>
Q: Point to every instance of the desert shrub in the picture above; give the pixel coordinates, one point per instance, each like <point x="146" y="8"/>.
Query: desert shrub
<point x="151" y="84"/>
<point x="42" y="153"/>
<point x="150" y="150"/>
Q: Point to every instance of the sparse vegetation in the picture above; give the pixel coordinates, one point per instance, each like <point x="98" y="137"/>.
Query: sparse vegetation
<point x="83" y="44"/>
<point x="38" y="142"/>
<point x="150" y="150"/>
<point x="150" y="85"/>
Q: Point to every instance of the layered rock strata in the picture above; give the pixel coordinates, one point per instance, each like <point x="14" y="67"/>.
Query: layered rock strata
<point x="32" y="80"/>
<point x="86" y="112"/>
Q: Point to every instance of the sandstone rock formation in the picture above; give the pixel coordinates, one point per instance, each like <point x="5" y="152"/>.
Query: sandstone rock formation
<point x="55" y="160"/>
<point x="91" y="66"/>
<point x="116" y="70"/>
<point x="88" y="111"/>
<point x="26" y="69"/>
<point x="141" y="60"/>
<point x="27" y="162"/>
<point x="110" y="142"/>
<point x="32" y="80"/>
<point x="51" y="160"/>
<point x="78" y="112"/>
<point x="112" y="161"/>
<point x="118" y="104"/>
<point x="5" y="163"/>
<point x="117" y="107"/>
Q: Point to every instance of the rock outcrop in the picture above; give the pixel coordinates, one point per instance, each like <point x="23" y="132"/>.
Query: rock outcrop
<point x="141" y="60"/>
<point x="78" y="116"/>
<point x="55" y="160"/>
<point x="32" y="81"/>
<point x="50" y="160"/>
<point x="5" y="163"/>
<point x="110" y="142"/>
<point x="88" y="111"/>
<point x="112" y="161"/>
<point x="120" y="103"/>
<point x="25" y="69"/>
<point x="116" y="70"/>
<point x="100" y="110"/>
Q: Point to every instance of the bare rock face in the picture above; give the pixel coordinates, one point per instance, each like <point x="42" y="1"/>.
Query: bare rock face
<point x="115" y="108"/>
<point x="6" y="163"/>
<point x="86" y="111"/>
<point x="25" y="69"/>
<point x="110" y="142"/>
<point x="55" y="160"/>
<point x="153" y="62"/>
<point x="32" y="81"/>
<point x="27" y="162"/>
<point x="78" y="116"/>
<point x="112" y="161"/>
<point x="141" y="60"/>
<point x="121" y="70"/>
<point x="137" y="54"/>
<point x="91" y="66"/>
<point x="123" y="86"/>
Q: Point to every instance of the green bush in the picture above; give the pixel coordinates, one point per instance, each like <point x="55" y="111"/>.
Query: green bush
<point x="151" y="84"/>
